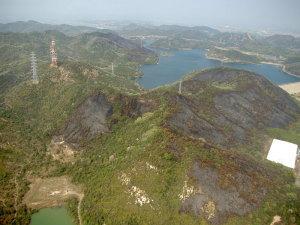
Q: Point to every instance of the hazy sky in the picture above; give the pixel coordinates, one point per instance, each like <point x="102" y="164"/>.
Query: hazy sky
<point x="239" y="13"/>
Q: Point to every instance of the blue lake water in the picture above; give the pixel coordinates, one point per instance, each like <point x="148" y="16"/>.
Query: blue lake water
<point x="172" y="68"/>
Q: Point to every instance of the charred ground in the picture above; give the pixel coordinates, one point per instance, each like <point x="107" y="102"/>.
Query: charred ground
<point x="194" y="158"/>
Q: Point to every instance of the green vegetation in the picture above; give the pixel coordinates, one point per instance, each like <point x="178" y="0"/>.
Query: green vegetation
<point x="31" y="114"/>
<point x="141" y="141"/>
<point x="141" y="184"/>
<point x="230" y="55"/>
<point x="293" y="68"/>
<point x="291" y="134"/>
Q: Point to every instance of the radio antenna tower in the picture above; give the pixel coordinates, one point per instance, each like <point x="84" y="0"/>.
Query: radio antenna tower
<point x="53" y="54"/>
<point x="33" y="69"/>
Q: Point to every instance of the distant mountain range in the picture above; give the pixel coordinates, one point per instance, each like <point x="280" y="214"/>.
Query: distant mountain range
<point x="236" y="46"/>
<point x="33" y="26"/>
<point x="203" y="32"/>
<point x="197" y="33"/>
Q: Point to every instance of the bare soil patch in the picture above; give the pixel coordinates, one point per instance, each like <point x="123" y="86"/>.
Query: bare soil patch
<point x="50" y="192"/>
<point x="292" y="88"/>
<point x="61" y="151"/>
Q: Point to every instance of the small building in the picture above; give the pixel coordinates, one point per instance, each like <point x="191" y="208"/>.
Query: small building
<point x="284" y="153"/>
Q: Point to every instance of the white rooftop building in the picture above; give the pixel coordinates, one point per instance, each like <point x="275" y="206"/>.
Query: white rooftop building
<point x="283" y="152"/>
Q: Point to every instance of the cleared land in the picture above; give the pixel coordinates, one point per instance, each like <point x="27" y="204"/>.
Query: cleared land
<point x="292" y="88"/>
<point x="50" y="192"/>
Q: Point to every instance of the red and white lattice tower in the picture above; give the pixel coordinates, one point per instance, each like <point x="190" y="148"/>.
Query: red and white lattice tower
<point x="53" y="54"/>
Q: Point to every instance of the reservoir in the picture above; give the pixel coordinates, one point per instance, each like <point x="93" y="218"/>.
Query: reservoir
<point x="174" y="66"/>
<point x="52" y="216"/>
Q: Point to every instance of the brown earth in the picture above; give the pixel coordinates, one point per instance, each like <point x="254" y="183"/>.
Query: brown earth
<point x="50" y="192"/>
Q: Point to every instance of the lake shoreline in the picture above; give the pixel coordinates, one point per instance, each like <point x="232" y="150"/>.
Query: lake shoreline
<point x="282" y="66"/>
<point x="172" y="68"/>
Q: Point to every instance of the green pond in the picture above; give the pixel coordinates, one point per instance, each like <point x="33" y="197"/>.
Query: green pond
<point x="52" y="216"/>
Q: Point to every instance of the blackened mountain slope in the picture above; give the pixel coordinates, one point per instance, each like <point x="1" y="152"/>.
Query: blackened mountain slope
<point x="89" y="119"/>
<point x="224" y="106"/>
